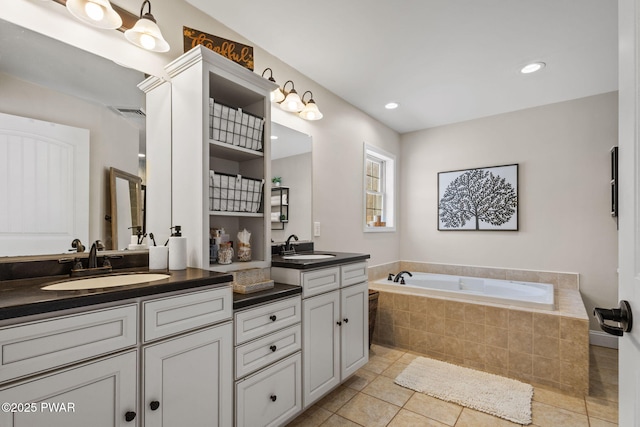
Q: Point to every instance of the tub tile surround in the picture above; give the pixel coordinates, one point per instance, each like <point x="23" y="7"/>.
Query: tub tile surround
<point x="550" y="348"/>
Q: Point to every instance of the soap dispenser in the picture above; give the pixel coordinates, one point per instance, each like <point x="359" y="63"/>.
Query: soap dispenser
<point x="177" y="249"/>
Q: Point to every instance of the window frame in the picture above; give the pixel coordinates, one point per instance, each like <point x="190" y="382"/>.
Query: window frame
<point x="387" y="187"/>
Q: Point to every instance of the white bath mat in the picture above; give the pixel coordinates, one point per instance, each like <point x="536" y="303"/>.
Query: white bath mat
<point x="495" y="395"/>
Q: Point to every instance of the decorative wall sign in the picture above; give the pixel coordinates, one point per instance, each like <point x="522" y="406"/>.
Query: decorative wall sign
<point x="478" y="199"/>
<point x="237" y="52"/>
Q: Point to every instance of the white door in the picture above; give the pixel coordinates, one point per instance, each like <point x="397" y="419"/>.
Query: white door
<point x="629" y="196"/>
<point x="355" y="328"/>
<point x="44" y="186"/>
<point x="188" y="380"/>
<point x="321" y="345"/>
<point x="98" y="394"/>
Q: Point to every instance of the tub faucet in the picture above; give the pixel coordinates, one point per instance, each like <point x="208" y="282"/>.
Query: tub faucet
<point x="399" y="276"/>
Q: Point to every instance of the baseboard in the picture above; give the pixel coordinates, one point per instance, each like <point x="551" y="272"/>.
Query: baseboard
<point x="603" y="339"/>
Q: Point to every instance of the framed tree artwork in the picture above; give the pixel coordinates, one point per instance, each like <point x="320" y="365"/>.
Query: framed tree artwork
<point x="478" y="199"/>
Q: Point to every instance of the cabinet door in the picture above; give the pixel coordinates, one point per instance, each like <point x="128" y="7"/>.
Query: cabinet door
<point x="355" y="328"/>
<point x="188" y="380"/>
<point x="97" y="394"/>
<point x="321" y="341"/>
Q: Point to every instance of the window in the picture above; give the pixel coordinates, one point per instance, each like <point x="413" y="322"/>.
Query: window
<point x="379" y="190"/>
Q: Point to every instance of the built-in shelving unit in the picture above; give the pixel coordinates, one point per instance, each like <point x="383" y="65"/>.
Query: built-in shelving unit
<point x="199" y="78"/>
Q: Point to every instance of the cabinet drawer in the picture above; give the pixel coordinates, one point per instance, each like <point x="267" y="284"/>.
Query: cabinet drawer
<point x="167" y="316"/>
<point x="271" y="396"/>
<point x="35" y="347"/>
<point x="354" y="273"/>
<point x="257" y="354"/>
<point x="319" y="281"/>
<point x="263" y="320"/>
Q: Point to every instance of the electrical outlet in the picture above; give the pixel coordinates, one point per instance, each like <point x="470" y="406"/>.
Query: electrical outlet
<point x="316" y="229"/>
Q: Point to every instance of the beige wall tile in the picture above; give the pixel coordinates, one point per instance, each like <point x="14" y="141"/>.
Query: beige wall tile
<point x="454" y="328"/>
<point x="454" y="347"/>
<point x="568" y="281"/>
<point x="436" y="325"/>
<point x="521" y="320"/>
<point x="401" y="302"/>
<point x="402" y="336"/>
<point x="546" y="346"/>
<point x="495" y="316"/>
<point x="454" y="310"/>
<point x="576" y="353"/>
<point x="474" y="351"/>
<point x="401" y="318"/>
<point x="436" y="307"/>
<point x="418" y="304"/>
<point x="385" y="300"/>
<point x="575" y="330"/>
<point x="522" y="275"/>
<point x="418" y="341"/>
<point x="497" y="337"/>
<point x="497" y="370"/>
<point x="520" y="341"/>
<point x="546" y="369"/>
<point x="474" y="332"/>
<point x="574" y="378"/>
<point x="435" y="343"/>
<point x="498" y="357"/>
<point x="418" y="321"/>
<point x="546" y="325"/>
<point x="520" y="363"/>
<point x="474" y="313"/>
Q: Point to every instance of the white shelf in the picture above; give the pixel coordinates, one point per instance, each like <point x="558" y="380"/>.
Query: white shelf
<point x="232" y="152"/>
<point x="238" y="214"/>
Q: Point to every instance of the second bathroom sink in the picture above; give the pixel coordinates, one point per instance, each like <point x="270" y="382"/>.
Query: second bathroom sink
<point x="105" y="281"/>
<point x="308" y="256"/>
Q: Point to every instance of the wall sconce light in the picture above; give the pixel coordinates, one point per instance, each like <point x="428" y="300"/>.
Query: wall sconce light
<point x="146" y="33"/>
<point x="97" y="13"/>
<point x="310" y="110"/>
<point x="292" y="103"/>
<point x="276" y="94"/>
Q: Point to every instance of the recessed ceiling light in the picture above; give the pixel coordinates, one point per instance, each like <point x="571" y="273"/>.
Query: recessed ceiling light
<point x="391" y="105"/>
<point x="274" y="136"/>
<point x="533" y="67"/>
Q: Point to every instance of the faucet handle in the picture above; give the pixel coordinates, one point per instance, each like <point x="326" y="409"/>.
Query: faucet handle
<point x="390" y="276"/>
<point x="77" y="245"/>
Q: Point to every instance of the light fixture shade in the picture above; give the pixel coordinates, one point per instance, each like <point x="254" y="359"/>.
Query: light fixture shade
<point x="277" y="95"/>
<point x="146" y="34"/>
<point x="292" y="102"/>
<point x="311" y="111"/>
<point x="97" y="13"/>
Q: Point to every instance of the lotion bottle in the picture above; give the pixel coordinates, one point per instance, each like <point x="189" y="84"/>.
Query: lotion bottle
<point x="177" y="250"/>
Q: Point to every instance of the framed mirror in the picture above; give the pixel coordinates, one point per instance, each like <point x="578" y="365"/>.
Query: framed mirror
<point x="126" y="207"/>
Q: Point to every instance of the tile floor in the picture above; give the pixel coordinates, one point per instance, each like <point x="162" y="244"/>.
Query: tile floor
<point x="371" y="398"/>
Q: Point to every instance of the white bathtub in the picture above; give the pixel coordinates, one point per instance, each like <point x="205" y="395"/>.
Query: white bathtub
<point x="507" y="292"/>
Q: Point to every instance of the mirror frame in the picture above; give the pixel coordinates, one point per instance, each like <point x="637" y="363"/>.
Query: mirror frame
<point x="117" y="173"/>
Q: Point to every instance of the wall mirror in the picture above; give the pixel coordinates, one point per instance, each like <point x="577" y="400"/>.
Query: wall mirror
<point x="126" y="207"/>
<point x="45" y="79"/>
<point x="291" y="161"/>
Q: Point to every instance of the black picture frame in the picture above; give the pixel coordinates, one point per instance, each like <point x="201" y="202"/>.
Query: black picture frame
<point x="479" y="199"/>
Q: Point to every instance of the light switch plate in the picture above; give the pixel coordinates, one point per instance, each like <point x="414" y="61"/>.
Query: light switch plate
<point x="316" y="229"/>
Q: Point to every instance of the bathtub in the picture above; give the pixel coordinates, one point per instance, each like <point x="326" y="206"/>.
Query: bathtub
<point x="507" y="292"/>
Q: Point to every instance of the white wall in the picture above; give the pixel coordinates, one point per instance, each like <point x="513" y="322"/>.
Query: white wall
<point x="564" y="200"/>
<point x="113" y="141"/>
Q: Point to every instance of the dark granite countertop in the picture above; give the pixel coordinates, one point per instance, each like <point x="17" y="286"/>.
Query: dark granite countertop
<point x="25" y="297"/>
<point x="279" y="291"/>
<point x="303" y="264"/>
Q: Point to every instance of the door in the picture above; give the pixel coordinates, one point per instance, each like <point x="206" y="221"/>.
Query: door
<point x="188" y="380"/>
<point x="321" y="345"/>
<point x="629" y="198"/>
<point x="44" y="186"/>
<point x="98" y="394"/>
<point x="355" y="328"/>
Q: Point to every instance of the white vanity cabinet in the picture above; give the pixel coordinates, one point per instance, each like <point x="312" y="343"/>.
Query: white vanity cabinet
<point x="201" y="79"/>
<point x="268" y="363"/>
<point x="335" y="320"/>
<point x="91" y="368"/>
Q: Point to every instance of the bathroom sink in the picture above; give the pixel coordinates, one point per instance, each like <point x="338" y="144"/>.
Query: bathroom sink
<point x="105" y="281"/>
<point x="308" y="256"/>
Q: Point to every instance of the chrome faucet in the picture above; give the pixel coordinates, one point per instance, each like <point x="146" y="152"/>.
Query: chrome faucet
<point x="399" y="276"/>
<point x="288" y="246"/>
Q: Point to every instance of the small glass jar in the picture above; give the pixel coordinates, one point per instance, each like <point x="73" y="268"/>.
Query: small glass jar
<point x="244" y="252"/>
<point x="225" y="253"/>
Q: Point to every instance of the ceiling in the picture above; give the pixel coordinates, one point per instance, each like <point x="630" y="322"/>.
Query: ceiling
<point x="443" y="61"/>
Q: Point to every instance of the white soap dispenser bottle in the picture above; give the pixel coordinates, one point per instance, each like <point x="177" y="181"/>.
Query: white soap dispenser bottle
<point x="177" y="250"/>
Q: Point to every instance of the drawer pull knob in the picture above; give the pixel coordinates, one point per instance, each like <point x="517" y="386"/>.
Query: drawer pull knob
<point x="154" y="405"/>
<point x="346" y="320"/>
<point x="273" y="317"/>
<point x="273" y="348"/>
<point x="339" y="323"/>
<point x="129" y="416"/>
<point x="273" y="397"/>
